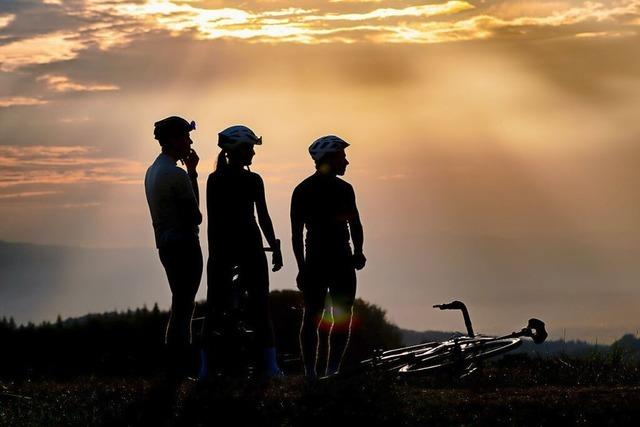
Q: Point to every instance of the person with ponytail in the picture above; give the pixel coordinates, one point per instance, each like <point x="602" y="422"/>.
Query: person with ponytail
<point x="234" y="193"/>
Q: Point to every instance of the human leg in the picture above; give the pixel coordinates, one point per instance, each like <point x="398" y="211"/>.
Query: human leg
<point x="183" y="266"/>
<point x="255" y="277"/>
<point x="342" y="291"/>
<point x="314" y="297"/>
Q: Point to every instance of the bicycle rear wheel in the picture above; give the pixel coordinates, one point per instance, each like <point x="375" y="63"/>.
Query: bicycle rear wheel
<point x="391" y="360"/>
<point x="460" y="354"/>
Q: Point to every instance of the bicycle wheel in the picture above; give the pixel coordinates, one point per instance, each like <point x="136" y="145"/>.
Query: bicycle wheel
<point x="459" y="354"/>
<point x="391" y="360"/>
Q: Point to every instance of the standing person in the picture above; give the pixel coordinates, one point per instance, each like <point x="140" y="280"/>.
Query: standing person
<point x="326" y="206"/>
<point x="172" y="195"/>
<point x="235" y="240"/>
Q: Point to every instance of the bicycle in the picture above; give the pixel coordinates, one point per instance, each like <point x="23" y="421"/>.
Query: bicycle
<point x="461" y="353"/>
<point x="230" y="330"/>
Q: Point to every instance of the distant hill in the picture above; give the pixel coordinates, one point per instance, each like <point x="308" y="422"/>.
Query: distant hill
<point x="39" y="282"/>
<point x="628" y="342"/>
<point x="410" y="337"/>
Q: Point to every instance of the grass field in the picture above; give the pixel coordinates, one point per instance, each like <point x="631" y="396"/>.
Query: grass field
<point x="515" y="391"/>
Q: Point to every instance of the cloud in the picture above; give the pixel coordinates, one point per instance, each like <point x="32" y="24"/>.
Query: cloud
<point x="80" y="205"/>
<point x="58" y="46"/>
<point x="63" y="165"/>
<point x="382" y="25"/>
<point x="74" y="120"/>
<point x="487" y="26"/>
<point x="108" y="24"/>
<point x="27" y="194"/>
<point x="14" y="101"/>
<point x="5" y="20"/>
<point x="451" y="7"/>
<point x="59" y="83"/>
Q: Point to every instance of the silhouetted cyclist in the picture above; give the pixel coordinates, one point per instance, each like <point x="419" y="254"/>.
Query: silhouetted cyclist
<point x="235" y="239"/>
<point x="172" y="195"/>
<point x="326" y="206"/>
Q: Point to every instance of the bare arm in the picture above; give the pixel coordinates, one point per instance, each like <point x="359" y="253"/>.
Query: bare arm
<point x="297" y="237"/>
<point x="357" y="234"/>
<point x="263" y="216"/>
<point x="211" y="210"/>
<point x="267" y="226"/>
<point x="297" y="230"/>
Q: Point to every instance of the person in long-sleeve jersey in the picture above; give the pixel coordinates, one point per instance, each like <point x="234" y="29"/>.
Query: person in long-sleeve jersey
<point x="325" y="206"/>
<point x="173" y="198"/>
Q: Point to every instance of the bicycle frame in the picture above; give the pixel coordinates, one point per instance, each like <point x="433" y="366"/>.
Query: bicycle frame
<point x="231" y="325"/>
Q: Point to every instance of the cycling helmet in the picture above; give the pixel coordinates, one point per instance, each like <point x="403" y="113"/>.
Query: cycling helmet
<point x="235" y="136"/>
<point x="326" y="144"/>
<point x="172" y="126"/>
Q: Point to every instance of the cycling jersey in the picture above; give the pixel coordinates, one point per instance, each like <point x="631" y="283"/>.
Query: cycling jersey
<point x="172" y="203"/>
<point x="325" y="204"/>
<point x="231" y="197"/>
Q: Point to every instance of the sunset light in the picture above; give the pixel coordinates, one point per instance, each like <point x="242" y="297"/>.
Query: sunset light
<point x="319" y="212"/>
<point x="493" y="143"/>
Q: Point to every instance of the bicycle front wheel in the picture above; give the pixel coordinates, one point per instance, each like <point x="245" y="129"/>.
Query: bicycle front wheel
<point x="460" y="354"/>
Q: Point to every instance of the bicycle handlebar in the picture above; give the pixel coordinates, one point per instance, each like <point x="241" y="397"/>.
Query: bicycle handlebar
<point x="269" y="248"/>
<point x="455" y="305"/>
<point x="535" y="328"/>
<point x="459" y="305"/>
<point x="536" y="331"/>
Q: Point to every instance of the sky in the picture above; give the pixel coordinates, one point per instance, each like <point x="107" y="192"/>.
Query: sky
<point x="494" y="144"/>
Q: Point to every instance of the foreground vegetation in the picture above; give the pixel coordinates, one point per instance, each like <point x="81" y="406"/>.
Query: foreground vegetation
<point x="104" y="369"/>
<point x="514" y="391"/>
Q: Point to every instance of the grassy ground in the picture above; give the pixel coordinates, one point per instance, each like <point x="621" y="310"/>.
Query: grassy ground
<point x="512" y="393"/>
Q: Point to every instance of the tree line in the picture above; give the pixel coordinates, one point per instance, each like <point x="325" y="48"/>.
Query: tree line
<point x="131" y="342"/>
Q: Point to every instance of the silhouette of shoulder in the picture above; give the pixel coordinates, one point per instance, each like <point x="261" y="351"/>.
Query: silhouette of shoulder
<point x="235" y="173"/>
<point x="317" y="181"/>
<point x="164" y="174"/>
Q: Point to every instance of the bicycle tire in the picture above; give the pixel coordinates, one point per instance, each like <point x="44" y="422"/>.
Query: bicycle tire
<point x="461" y="354"/>
<point x="391" y="360"/>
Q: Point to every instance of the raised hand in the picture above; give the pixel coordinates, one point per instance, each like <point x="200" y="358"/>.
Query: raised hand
<point x="191" y="162"/>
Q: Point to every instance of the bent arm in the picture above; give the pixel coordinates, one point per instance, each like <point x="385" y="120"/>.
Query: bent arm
<point x="263" y="215"/>
<point x="211" y="210"/>
<point x="357" y="234"/>
<point x="187" y="200"/>
<point x="297" y="231"/>
<point x="355" y="227"/>
<point x="193" y="177"/>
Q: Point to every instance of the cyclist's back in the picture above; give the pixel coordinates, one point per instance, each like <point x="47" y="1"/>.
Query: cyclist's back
<point x="326" y="204"/>
<point x="231" y="197"/>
